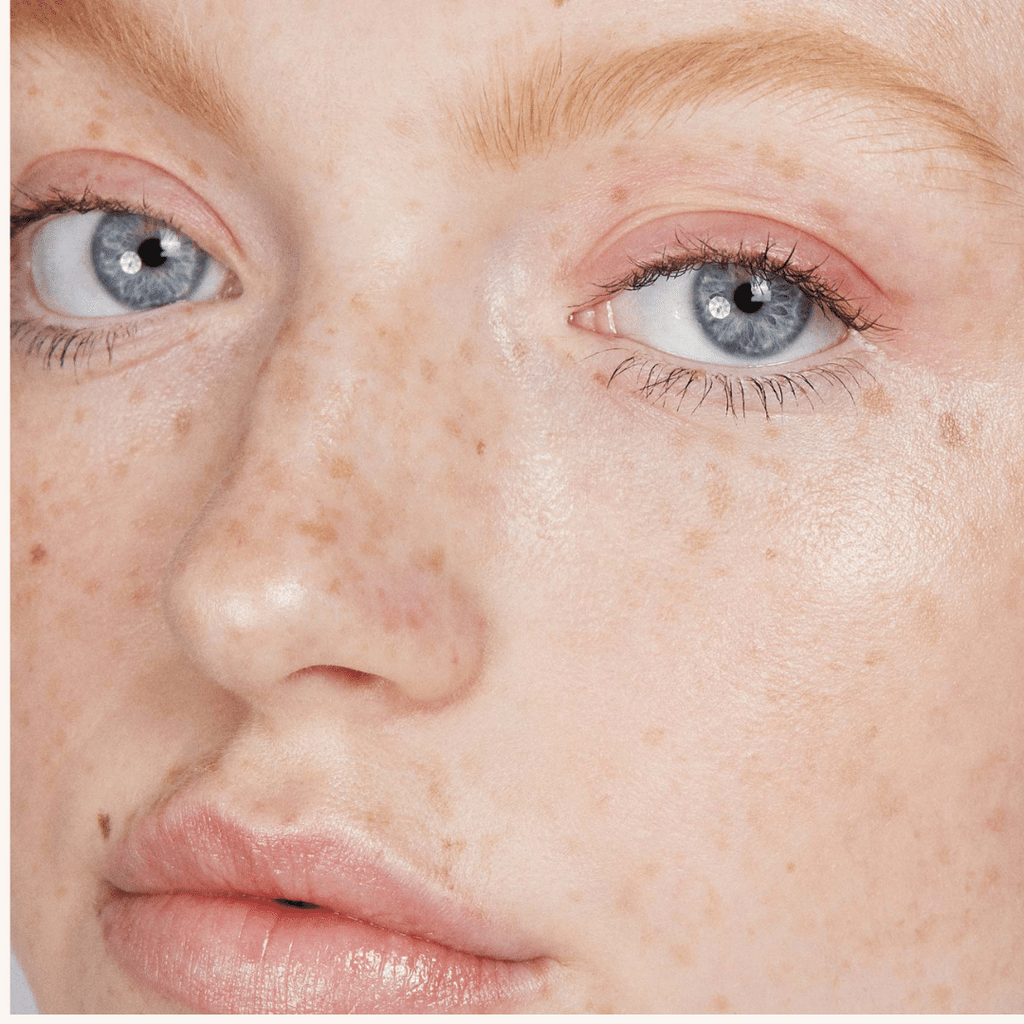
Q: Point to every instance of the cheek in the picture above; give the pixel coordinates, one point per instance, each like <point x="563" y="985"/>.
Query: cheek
<point x="89" y="472"/>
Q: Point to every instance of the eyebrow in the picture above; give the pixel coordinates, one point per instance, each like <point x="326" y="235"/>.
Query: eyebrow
<point x="552" y="102"/>
<point x="156" y="54"/>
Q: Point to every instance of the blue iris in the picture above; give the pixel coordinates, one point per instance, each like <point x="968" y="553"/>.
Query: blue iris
<point x="747" y="315"/>
<point x="144" y="264"/>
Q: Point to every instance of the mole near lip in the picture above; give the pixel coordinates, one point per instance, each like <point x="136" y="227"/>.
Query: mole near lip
<point x="203" y="911"/>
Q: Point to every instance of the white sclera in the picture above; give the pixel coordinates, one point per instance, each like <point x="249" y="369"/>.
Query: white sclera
<point x="662" y="316"/>
<point x="63" y="274"/>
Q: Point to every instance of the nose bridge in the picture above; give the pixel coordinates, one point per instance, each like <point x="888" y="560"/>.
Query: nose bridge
<point x="328" y="544"/>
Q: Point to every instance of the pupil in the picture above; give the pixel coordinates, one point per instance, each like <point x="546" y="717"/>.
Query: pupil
<point x="743" y="298"/>
<point x="151" y="252"/>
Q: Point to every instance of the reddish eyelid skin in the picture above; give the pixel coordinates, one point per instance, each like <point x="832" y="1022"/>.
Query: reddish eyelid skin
<point x="732" y="232"/>
<point x="128" y="179"/>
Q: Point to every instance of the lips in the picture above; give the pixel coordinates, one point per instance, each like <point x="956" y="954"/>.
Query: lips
<point x="228" y="918"/>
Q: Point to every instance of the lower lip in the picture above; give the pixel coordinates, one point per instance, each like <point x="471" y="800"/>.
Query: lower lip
<point x="236" y="954"/>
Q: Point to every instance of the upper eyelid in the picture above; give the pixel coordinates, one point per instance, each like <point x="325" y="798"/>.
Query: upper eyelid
<point x="135" y="185"/>
<point x="667" y="236"/>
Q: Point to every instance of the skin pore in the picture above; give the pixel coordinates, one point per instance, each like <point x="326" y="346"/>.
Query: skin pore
<point x="707" y="683"/>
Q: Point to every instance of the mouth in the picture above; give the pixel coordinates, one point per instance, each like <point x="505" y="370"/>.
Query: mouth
<point x="226" y="918"/>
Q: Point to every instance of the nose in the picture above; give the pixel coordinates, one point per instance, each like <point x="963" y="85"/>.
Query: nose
<point x="327" y="548"/>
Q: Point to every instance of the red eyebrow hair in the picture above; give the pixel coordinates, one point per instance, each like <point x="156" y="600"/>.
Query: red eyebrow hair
<point x="153" y="50"/>
<point x="551" y="101"/>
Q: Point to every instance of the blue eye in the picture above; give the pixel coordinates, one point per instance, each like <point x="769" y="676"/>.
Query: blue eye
<point x="106" y="263"/>
<point x="721" y="314"/>
<point x="746" y="315"/>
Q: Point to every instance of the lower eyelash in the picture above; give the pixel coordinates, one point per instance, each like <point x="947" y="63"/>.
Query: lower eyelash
<point x="664" y="384"/>
<point x="64" y="344"/>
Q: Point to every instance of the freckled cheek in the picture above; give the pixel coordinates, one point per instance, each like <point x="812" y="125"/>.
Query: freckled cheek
<point x="90" y="478"/>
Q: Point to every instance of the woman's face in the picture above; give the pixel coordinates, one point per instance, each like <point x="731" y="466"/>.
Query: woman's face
<point x="552" y="499"/>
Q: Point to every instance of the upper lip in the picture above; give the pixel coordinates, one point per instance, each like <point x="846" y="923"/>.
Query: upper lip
<point x="193" y="847"/>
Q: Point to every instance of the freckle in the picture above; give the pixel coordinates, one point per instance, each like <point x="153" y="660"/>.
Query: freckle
<point x="183" y="423"/>
<point x="829" y="211"/>
<point x="91" y="586"/>
<point x="452" y="428"/>
<point x="943" y="997"/>
<point x="318" y="530"/>
<point x="619" y="194"/>
<point x="136" y="395"/>
<point x="467" y="351"/>
<point x="38" y="554"/>
<point x="433" y="560"/>
<point x="652" y="737"/>
<point x="196" y="168"/>
<point x="877" y="401"/>
<point x="401" y="124"/>
<point x="94" y="130"/>
<point x="719" y="493"/>
<point x="103" y="820"/>
<point x="559" y="3"/>
<point x="481" y="447"/>
<point x="770" y="553"/>
<point x="340" y="469"/>
<point x="140" y="595"/>
<point x="790" y="868"/>
<point x="996" y="822"/>
<point x="697" y="541"/>
<point x="720" y="1004"/>
<point x="33" y="90"/>
<point x="413" y="206"/>
<point x="888" y="800"/>
<point x="950" y="431"/>
<point x="428" y="370"/>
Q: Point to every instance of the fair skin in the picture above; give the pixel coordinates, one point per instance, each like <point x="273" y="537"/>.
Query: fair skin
<point x="721" y="707"/>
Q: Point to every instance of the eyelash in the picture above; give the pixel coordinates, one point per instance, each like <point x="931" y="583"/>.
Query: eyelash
<point x="60" y="343"/>
<point x="663" y="379"/>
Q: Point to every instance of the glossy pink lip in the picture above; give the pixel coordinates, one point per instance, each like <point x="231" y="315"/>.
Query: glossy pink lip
<point x="191" y="915"/>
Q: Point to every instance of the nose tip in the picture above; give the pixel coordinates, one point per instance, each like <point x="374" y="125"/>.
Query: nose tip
<point x="254" y="610"/>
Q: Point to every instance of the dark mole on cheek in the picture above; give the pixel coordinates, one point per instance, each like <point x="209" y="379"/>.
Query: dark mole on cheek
<point x="37" y="554"/>
<point x="103" y="820"/>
